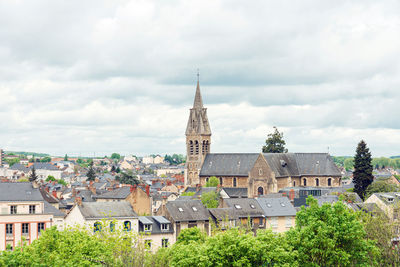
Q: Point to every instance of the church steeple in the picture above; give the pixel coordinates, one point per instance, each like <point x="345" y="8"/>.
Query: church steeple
<point x="198" y="138"/>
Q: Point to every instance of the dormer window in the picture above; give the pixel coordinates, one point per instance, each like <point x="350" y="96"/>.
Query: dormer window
<point x="194" y="208"/>
<point x="164" y="227"/>
<point x="252" y="206"/>
<point x="237" y="206"/>
<point x="180" y="209"/>
<point x="147" y="227"/>
<point x="390" y="199"/>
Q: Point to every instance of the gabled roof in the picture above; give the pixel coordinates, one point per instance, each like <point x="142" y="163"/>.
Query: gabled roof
<point x="47" y="196"/>
<point x="49" y="209"/>
<point x="119" y="193"/>
<point x="228" y="164"/>
<point x="245" y="207"/>
<point x="44" y="166"/>
<point x="222" y="214"/>
<point x="19" y="192"/>
<point x="100" y="210"/>
<point x="273" y="207"/>
<point x="190" y="210"/>
<point x="235" y="192"/>
<point x="19" y="167"/>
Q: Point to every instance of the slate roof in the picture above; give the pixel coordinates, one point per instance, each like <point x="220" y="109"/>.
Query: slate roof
<point x="49" y="209"/>
<point x="19" y="192"/>
<point x="44" y="166"/>
<point x="302" y="164"/>
<point x="19" y="167"/>
<point x="204" y="190"/>
<point x="222" y="214"/>
<point x="245" y="207"/>
<point x="276" y="206"/>
<point x="100" y="210"/>
<point x="119" y="193"/>
<point x="155" y="222"/>
<point x="385" y="196"/>
<point x="228" y="164"/>
<point x="236" y="192"/>
<point x="187" y="213"/>
<point x="47" y="196"/>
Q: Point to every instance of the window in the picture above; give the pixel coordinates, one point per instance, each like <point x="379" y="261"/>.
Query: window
<point x="252" y="206"/>
<point x="180" y="209"/>
<point x="9" y="228"/>
<point x="304" y="182"/>
<point x="317" y="182"/>
<point x="32" y="209"/>
<point x="164" y="227"/>
<point x="147" y="243"/>
<point x="261" y="221"/>
<point x="13" y="209"/>
<point x="288" y="221"/>
<point x="260" y="191"/>
<point x="97" y="227"/>
<point x="192" y="224"/>
<point x="164" y="242"/>
<point x="194" y="208"/>
<point x="237" y="206"/>
<point x="251" y="222"/>
<point x="234" y="182"/>
<point x="147" y="227"/>
<point x="197" y="147"/>
<point x="191" y="147"/>
<point x="127" y="225"/>
<point x="329" y="182"/>
<point x="112" y="226"/>
<point x="260" y="172"/>
<point x="220" y="181"/>
<point x="25" y="228"/>
<point x="294" y="183"/>
<point x="41" y="227"/>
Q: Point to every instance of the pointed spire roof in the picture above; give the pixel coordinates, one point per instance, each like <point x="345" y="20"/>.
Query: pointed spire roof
<point x="198" y="102"/>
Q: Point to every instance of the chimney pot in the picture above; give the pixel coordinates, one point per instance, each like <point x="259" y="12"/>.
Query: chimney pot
<point x="54" y="193"/>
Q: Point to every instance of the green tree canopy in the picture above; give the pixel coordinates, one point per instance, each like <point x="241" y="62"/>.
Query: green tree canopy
<point x="210" y="199"/>
<point x="381" y="186"/>
<point x="116" y="156"/>
<point x="275" y="143"/>
<point x="128" y="177"/>
<point x="66" y="157"/>
<point x="91" y="174"/>
<point x="330" y="235"/>
<point x="362" y="175"/>
<point x="212" y="182"/>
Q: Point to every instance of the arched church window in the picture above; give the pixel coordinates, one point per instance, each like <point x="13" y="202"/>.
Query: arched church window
<point x="203" y="147"/>
<point x="191" y="147"/>
<point x="329" y="182"/>
<point x="197" y="147"/>
<point x="317" y="182"/>
<point x="234" y="182"/>
<point x="260" y="191"/>
<point x="304" y="182"/>
<point x="220" y="181"/>
<point x="294" y="183"/>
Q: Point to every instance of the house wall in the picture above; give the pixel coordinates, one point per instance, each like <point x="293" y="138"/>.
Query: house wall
<point x="280" y="224"/>
<point x="140" y="201"/>
<point x="156" y="240"/>
<point x="256" y="222"/>
<point x="202" y="225"/>
<point x="387" y="209"/>
<point x="262" y="176"/>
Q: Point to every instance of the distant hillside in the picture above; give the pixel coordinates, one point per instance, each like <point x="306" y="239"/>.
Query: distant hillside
<point x="395" y="157"/>
<point x="28" y="153"/>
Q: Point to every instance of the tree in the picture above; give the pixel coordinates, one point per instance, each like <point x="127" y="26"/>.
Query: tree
<point x="275" y="143"/>
<point x="45" y="159"/>
<point x="193" y="234"/>
<point x="210" y="199"/>
<point x="66" y="157"/>
<point x="362" y="175"/>
<point x="128" y="178"/>
<point x="331" y="235"/>
<point x="50" y="178"/>
<point x="91" y="175"/>
<point x="381" y="187"/>
<point x="115" y="156"/>
<point x="348" y="164"/>
<point x="33" y="177"/>
<point x="212" y="182"/>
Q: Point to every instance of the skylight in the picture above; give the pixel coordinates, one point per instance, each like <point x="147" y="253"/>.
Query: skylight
<point x="237" y="206"/>
<point x="269" y="205"/>
<point x="252" y="206"/>
<point x="194" y="208"/>
<point x="180" y="209"/>
<point x="283" y="204"/>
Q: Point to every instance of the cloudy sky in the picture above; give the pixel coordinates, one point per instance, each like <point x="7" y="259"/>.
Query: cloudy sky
<point x="96" y="77"/>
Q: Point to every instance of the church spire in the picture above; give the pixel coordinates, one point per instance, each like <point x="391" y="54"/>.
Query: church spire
<point x="198" y="102"/>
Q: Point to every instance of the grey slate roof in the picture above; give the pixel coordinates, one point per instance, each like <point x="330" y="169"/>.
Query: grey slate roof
<point x="236" y="192"/>
<point x="19" y="167"/>
<point x="187" y="213"/>
<point x="228" y="164"/>
<point x="222" y="214"/>
<point x="19" y="192"/>
<point x="49" y="209"/>
<point x="100" y="210"/>
<point x="302" y="164"/>
<point x="44" y="166"/>
<point x="119" y="193"/>
<point x="155" y="222"/>
<point x="276" y="206"/>
<point x="245" y="207"/>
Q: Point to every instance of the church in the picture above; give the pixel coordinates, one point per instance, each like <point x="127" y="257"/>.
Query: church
<point x="260" y="173"/>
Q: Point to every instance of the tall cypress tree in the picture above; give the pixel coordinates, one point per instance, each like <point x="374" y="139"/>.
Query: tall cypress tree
<point x="362" y="175"/>
<point x="91" y="174"/>
<point x="33" y="176"/>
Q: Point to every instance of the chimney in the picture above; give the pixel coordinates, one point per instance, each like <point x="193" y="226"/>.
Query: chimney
<point x="78" y="201"/>
<point x="54" y="193"/>
<point x="133" y="188"/>
<point x="47" y="189"/>
<point x="148" y="190"/>
<point x="291" y="194"/>
<point x="169" y="182"/>
<point x="90" y="183"/>
<point x="92" y="189"/>
<point x="198" y="187"/>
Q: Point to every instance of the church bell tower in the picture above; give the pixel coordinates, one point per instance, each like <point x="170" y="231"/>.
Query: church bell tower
<point x="198" y="139"/>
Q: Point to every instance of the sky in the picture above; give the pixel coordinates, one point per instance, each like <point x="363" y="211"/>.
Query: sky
<point x="94" y="77"/>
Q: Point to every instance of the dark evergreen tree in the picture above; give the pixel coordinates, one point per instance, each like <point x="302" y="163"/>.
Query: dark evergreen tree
<point x="66" y="157"/>
<point x="275" y="143"/>
<point x="91" y="174"/>
<point x="128" y="178"/>
<point x="362" y="175"/>
<point x="113" y="168"/>
<point x="33" y="177"/>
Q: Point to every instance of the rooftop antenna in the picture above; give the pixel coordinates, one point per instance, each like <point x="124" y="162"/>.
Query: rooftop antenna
<point x="198" y="75"/>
